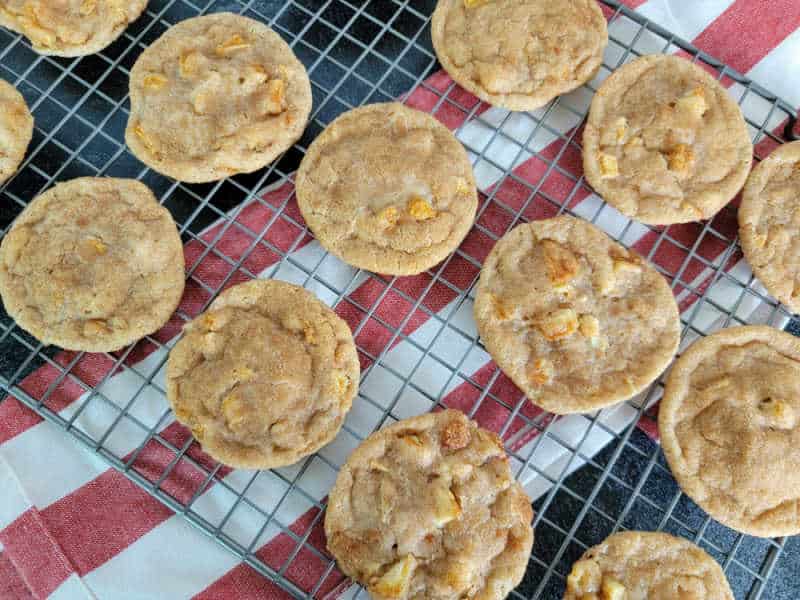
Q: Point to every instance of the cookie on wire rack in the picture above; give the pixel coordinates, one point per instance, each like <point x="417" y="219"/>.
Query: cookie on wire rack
<point x="215" y="96"/>
<point x="16" y="130"/>
<point x="769" y="223"/>
<point x="643" y="565"/>
<point x="577" y="321"/>
<point x="265" y="376"/>
<point x="665" y="142"/>
<point x="730" y="428"/>
<point x="70" y="27"/>
<point x="428" y="508"/>
<point x="519" y="54"/>
<point x="92" y="264"/>
<point x="387" y="188"/>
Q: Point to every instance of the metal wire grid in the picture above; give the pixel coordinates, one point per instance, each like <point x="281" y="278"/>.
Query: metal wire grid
<point x="81" y="107"/>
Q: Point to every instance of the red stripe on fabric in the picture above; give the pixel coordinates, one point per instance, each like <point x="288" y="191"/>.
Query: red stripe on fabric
<point x="610" y="12"/>
<point x="16" y="418"/>
<point x="106" y="515"/>
<point x="102" y="518"/>
<point x="34" y="552"/>
<point x="305" y="569"/>
<point x="12" y="585"/>
<point x="756" y="27"/>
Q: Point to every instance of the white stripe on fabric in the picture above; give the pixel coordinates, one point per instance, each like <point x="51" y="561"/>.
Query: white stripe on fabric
<point x="171" y="561"/>
<point x="779" y="71"/>
<point x="13" y="500"/>
<point x="73" y="588"/>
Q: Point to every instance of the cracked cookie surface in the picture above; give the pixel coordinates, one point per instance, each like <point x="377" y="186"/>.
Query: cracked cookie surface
<point x="215" y="96"/>
<point x="387" y="188"/>
<point x="643" y="565"/>
<point x="577" y="321"/>
<point x="16" y="130"/>
<point x="665" y="142"/>
<point x="428" y="508"/>
<point x="519" y="54"/>
<point x="769" y="223"/>
<point x="70" y="27"/>
<point x="265" y="376"/>
<point x="92" y="264"/>
<point x="730" y="428"/>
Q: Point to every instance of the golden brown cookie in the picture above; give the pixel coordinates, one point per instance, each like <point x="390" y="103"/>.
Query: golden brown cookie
<point x="428" y="508"/>
<point x="573" y="318"/>
<point x="730" y="428"/>
<point x="70" y="27"/>
<point x="642" y="565"/>
<point x="387" y="188"/>
<point x="92" y="264"/>
<point x="265" y="376"/>
<point x="519" y="54"/>
<point x="769" y="223"/>
<point x="215" y="96"/>
<point x="16" y="130"/>
<point x="665" y="142"/>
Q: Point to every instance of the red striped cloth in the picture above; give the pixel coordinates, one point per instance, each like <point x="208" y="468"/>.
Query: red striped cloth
<point x="84" y="534"/>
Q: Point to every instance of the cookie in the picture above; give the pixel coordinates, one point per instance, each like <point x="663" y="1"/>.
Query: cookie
<point x="730" y="428"/>
<point x="16" y="130"/>
<point x="665" y="142"/>
<point x="92" y="264"/>
<point x="387" y="188"/>
<point x="215" y="96"/>
<point x="642" y="565"/>
<point x="265" y="376"/>
<point x="577" y="321"/>
<point x="70" y="27"/>
<point x="769" y="223"/>
<point x="519" y="54"/>
<point x="428" y="508"/>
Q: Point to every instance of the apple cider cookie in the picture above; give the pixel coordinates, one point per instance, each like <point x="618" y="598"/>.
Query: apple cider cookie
<point x="643" y="565"/>
<point x="665" y="142"/>
<point x="92" y="264"/>
<point x="16" y="130"/>
<point x="265" y="376"/>
<point x="519" y="54"/>
<point x="428" y="508"/>
<point x="215" y="96"/>
<point x="769" y="223"/>
<point x="70" y="27"/>
<point x="577" y="321"/>
<point x="387" y="188"/>
<point x="730" y="428"/>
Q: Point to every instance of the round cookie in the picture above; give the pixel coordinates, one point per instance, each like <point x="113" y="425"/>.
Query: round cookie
<point x="428" y="508"/>
<point x="769" y="223"/>
<point x="730" y="428"/>
<point x="70" y="27"/>
<point x="387" y="188"/>
<point x="577" y="321"/>
<point x="265" y="376"/>
<point x="665" y="142"/>
<point x="92" y="264"/>
<point x="16" y="130"/>
<point x="519" y="54"/>
<point x="642" y="565"/>
<point x="215" y="96"/>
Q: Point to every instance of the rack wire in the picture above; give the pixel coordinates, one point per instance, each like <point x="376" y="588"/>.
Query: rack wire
<point x="610" y="475"/>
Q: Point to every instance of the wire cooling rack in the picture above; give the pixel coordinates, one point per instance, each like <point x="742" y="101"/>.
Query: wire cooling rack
<point x="605" y="475"/>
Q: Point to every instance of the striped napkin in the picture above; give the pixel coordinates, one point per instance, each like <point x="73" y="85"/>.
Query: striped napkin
<point x="71" y="527"/>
